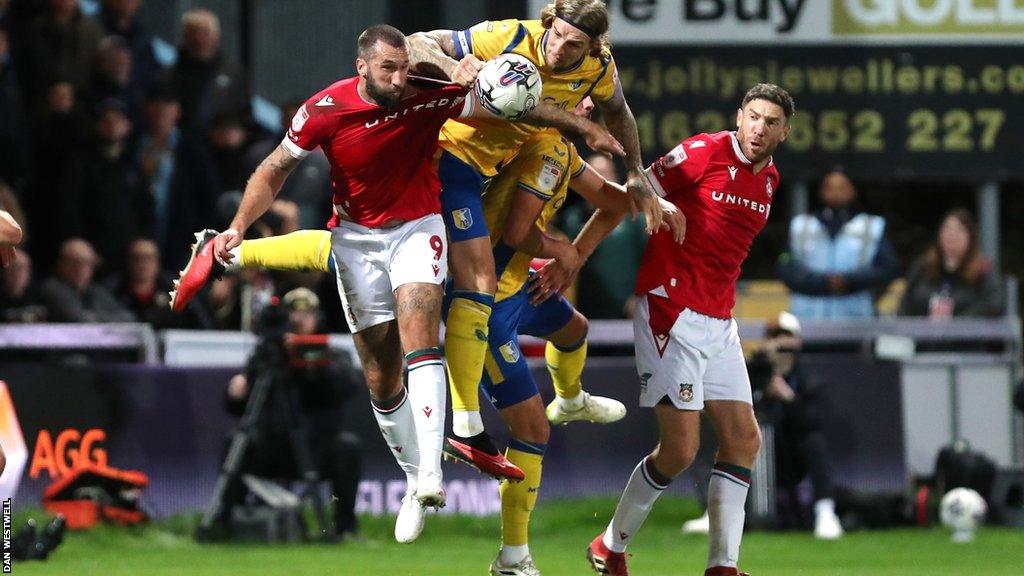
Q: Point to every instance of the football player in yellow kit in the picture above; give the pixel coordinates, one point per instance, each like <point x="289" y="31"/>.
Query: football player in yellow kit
<point x="569" y="46"/>
<point x="518" y="203"/>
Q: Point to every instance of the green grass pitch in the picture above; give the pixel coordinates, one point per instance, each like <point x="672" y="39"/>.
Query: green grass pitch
<point x="456" y="546"/>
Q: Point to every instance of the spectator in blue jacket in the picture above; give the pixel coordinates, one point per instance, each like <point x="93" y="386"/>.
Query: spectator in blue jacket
<point x="838" y="258"/>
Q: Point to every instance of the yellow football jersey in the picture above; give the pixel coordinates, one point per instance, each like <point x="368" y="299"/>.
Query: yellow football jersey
<point x="485" y="143"/>
<point x="545" y="165"/>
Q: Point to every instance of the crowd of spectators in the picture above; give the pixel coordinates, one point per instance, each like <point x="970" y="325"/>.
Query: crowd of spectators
<point x="111" y="161"/>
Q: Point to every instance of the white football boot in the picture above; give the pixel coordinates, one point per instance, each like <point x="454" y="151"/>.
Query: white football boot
<point x="597" y="409"/>
<point x="700" y="525"/>
<point x="410" y="520"/>
<point x="826" y="523"/>
<point x="524" y="567"/>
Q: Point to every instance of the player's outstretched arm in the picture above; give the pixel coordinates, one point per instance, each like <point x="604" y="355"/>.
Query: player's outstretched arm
<point x="622" y="125"/>
<point x="555" y="276"/>
<point x="434" y="51"/>
<point x="260" y="191"/>
<point x="597" y="138"/>
<point x="612" y="198"/>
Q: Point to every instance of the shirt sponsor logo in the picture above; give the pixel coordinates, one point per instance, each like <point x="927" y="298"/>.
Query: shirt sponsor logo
<point x="758" y="207"/>
<point x="438" y="103"/>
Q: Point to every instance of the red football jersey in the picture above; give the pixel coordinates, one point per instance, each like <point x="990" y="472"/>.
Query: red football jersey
<point x="726" y="205"/>
<point x="381" y="160"/>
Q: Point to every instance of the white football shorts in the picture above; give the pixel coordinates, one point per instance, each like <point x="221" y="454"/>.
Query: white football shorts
<point x="371" y="263"/>
<point x="689" y="360"/>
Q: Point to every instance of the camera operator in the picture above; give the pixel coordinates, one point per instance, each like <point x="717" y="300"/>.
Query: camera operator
<point x="792" y="402"/>
<point x="320" y="383"/>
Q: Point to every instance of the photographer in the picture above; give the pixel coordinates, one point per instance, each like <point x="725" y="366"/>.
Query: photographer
<point x="318" y="384"/>
<point x="792" y="402"/>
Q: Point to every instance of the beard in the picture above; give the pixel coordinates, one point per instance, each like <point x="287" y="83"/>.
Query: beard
<point x="383" y="99"/>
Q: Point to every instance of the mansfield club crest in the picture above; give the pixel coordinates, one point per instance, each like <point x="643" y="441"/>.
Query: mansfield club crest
<point x="463" y="218"/>
<point x="686" y="392"/>
<point x="510" y="352"/>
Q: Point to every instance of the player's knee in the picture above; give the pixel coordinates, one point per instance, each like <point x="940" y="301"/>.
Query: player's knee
<point x="580" y="326"/>
<point x="744" y="442"/>
<point x="673" y="457"/>
<point x="534" y="429"/>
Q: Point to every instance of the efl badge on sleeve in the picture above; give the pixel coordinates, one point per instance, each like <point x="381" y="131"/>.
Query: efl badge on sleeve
<point x="548" y="177"/>
<point x="299" y="120"/>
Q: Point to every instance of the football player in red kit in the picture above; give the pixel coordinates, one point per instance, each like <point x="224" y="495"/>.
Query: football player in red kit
<point x="687" y="349"/>
<point x="380" y="134"/>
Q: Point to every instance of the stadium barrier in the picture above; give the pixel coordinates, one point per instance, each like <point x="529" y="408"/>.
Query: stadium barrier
<point x="889" y="413"/>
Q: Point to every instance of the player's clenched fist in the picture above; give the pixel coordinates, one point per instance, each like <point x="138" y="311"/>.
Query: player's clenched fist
<point x="466" y="71"/>
<point x="223" y="244"/>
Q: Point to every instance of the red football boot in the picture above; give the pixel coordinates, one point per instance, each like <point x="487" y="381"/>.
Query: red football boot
<point x="201" y="264"/>
<point x="481" y="454"/>
<point x="604" y="561"/>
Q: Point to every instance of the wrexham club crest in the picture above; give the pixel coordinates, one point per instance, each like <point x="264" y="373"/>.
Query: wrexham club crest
<point x="686" y="392"/>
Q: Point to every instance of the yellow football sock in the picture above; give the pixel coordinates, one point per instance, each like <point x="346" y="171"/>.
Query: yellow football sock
<point x="566" y="368"/>
<point x="518" y="498"/>
<point x="301" y="250"/>
<point x="465" y="347"/>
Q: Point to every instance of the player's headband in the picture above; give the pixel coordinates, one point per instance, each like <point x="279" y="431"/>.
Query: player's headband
<point x="582" y="27"/>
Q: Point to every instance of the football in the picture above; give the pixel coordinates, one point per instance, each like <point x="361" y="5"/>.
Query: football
<point x="962" y="510"/>
<point x="508" y="86"/>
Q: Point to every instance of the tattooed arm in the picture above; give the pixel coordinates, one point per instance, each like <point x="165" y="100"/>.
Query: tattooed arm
<point x="433" y="54"/>
<point x="622" y="125"/>
<point x="597" y="138"/>
<point x="434" y="50"/>
<point x="260" y="191"/>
